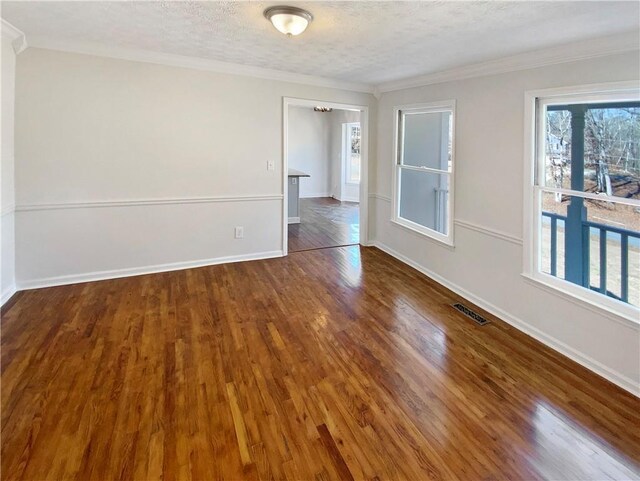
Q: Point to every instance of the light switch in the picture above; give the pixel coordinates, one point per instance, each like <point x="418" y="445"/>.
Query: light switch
<point x="271" y="165"/>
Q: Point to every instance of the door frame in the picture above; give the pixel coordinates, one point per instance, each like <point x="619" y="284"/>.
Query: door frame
<point x="364" y="161"/>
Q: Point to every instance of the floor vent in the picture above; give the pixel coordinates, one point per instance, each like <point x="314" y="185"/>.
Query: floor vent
<point x="469" y="313"/>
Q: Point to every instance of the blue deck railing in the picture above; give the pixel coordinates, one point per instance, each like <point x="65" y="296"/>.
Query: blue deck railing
<point x="604" y="233"/>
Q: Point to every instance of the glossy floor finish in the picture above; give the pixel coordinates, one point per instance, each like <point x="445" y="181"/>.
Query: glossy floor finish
<point x="325" y="222"/>
<point x="331" y="364"/>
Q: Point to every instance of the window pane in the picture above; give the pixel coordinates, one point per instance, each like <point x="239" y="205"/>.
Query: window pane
<point x="353" y="168"/>
<point x="599" y="249"/>
<point x="558" y="149"/>
<point x="424" y="199"/>
<point x="427" y="140"/>
<point x="611" y="140"/>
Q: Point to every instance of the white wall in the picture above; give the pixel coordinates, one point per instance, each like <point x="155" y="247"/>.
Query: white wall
<point x="7" y="196"/>
<point x="125" y="167"/>
<point x="309" y="150"/>
<point x="339" y="188"/>
<point x="486" y="263"/>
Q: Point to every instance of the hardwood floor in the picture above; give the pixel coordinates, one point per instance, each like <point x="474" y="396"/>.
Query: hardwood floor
<point x="325" y="222"/>
<point x="328" y="364"/>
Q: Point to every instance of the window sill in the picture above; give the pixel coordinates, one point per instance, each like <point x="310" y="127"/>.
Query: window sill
<point x="425" y="233"/>
<point x="618" y="311"/>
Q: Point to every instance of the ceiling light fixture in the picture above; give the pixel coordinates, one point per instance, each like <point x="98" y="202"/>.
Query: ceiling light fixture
<point x="322" y="109"/>
<point x="288" y="20"/>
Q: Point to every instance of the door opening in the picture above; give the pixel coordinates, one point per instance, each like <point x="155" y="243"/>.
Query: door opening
<point x="325" y="167"/>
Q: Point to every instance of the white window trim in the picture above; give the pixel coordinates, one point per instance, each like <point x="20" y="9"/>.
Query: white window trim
<point x="431" y="107"/>
<point x="346" y="151"/>
<point x="531" y="215"/>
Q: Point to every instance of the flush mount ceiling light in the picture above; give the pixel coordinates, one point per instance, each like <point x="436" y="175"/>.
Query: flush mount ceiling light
<point x="289" y="20"/>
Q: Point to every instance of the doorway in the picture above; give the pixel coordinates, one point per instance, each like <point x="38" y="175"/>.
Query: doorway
<point x="324" y="175"/>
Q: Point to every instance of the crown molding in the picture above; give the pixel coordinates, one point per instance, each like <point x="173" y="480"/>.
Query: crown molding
<point x="18" y="38"/>
<point x="196" y="63"/>
<point x="571" y="52"/>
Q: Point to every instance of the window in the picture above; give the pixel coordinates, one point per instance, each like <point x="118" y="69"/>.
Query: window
<point x="352" y="151"/>
<point x="586" y="197"/>
<point x="424" y="160"/>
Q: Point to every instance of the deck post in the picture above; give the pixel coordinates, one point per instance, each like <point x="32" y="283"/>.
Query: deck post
<point x="576" y="236"/>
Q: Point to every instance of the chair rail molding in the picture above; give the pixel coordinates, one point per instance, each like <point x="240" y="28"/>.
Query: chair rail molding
<point x="381" y="197"/>
<point x="144" y="202"/>
<point x="489" y="231"/>
<point x="7" y="209"/>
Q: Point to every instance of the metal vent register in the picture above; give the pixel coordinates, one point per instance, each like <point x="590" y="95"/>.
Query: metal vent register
<point x="472" y="314"/>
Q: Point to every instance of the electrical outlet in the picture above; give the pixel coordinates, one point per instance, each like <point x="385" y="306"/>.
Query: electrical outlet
<point x="239" y="232"/>
<point x="271" y="165"/>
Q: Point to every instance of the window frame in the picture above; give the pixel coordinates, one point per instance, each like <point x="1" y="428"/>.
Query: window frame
<point x="534" y="153"/>
<point x="347" y="152"/>
<point x="417" y="108"/>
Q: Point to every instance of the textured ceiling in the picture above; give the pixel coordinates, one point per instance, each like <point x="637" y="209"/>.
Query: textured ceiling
<point x="368" y="42"/>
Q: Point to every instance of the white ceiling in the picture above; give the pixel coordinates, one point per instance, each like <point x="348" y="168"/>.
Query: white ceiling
<point x="366" y="42"/>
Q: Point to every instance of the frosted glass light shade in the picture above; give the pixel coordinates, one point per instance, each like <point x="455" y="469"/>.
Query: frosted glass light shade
<point x="289" y="20"/>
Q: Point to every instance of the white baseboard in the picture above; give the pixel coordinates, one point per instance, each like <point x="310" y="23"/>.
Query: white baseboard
<point x="615" y="377"/>
<point x="7" y="294"/>
<point x="138" y="271"/>
<point x="315" y="195"/>
<point x="346" y="199"/>
<point x="293" y="220"/>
